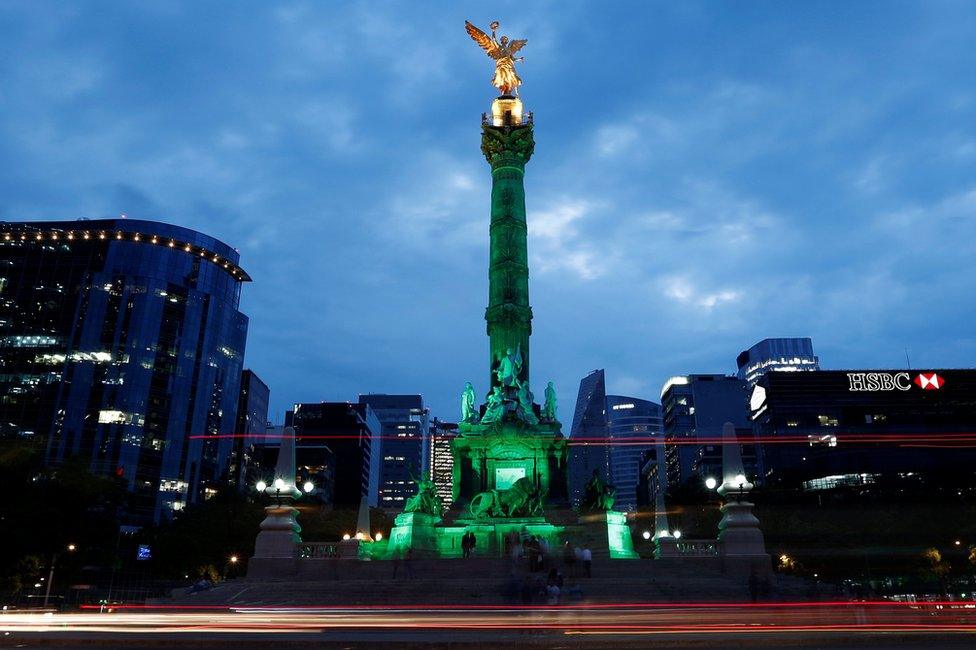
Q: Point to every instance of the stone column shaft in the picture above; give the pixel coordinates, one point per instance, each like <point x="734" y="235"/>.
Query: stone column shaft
<point x="509" y="316"/>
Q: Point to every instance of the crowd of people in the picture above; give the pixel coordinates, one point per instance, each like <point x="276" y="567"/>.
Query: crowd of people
<point x="565" y="567"/>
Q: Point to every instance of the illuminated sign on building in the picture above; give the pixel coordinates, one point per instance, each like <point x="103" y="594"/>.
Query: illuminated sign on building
<point x="929" y="381"/>
<point x="886" y="381"/>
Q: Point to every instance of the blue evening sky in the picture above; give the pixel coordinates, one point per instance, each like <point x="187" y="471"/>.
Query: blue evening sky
<point x="706" y="174"/>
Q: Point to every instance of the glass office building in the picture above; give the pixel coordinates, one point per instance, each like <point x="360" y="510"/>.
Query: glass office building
<point x="588" y="449"/>
<point x="351" y="433"/>
<point x="403" y="445"/>
<point x="776" y="355"/>
<point x="631" y="422"/>
<point x="120" y="340"/>
<point x="696" y="407"/>
<point x="252" y="424"/>
<point x="844" y="428"/>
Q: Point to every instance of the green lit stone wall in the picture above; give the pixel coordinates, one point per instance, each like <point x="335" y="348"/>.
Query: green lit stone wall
<point x="509" y="315"/>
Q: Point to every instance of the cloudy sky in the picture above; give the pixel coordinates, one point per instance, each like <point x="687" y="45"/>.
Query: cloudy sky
<point x="706" y="175"/>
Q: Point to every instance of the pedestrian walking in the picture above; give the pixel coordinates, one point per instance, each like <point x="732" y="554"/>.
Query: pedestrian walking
<point x="587" y="561"/>
<point x="552" y="594"/>
<point x="408" y="563"/>
<point x="569" y="558"/>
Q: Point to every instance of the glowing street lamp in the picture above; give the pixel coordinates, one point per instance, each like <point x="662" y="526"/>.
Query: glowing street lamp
<point x="50" y="576"/>
<point x="308" y="487"/>
<point x="646" y="534"/>
<point x="710" y="483"/>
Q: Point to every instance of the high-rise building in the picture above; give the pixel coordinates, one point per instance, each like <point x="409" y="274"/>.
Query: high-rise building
<point x="588" y="449"/>
<point x="252" y="423"/>
<point x="404" y="445"/>
<point x="350" y="431"/>
<point x="314" y="461"/>
<point x="631" y="424"/>
<point x="857" y="428"/>
<point x="696" y="407"/>
<point x="776" y="355"/>
<point x="652" y="478"/>
<point x="120" y="342"/>
<point x="442" y="459"/>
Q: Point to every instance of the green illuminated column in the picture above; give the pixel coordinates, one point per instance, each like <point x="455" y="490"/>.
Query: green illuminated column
<point x="507" y="148"/>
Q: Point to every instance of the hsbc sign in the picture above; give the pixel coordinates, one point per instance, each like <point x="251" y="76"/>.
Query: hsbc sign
<point x="887" y="381"/>
<point x="929" y="381"/>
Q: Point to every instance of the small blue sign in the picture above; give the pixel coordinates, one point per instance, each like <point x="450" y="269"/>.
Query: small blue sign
<point x="144" y="552"/>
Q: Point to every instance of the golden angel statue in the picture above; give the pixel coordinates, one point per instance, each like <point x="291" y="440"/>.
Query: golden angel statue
<point x="503" y="52"/>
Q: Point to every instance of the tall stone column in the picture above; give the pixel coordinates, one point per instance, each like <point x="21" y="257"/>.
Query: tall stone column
<point x="507" y="143"/>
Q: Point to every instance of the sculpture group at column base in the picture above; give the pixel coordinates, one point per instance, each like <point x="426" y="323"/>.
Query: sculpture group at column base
<point x="427" y="536"/>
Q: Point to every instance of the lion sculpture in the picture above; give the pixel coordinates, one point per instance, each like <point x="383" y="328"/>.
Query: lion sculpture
<point x="523" y="499"/>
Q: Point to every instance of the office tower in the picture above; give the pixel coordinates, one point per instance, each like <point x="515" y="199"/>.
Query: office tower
<point x="252" y="423"/>
<point x="588" y="449"/>
<point x="695" y="409"/>
<point x="403" y="447"/>
<point x="350" y="431"/>
<point x="121" y="344"/>
<point x="442" y="460"/>
<point x="857" y="428"/>
<point x="632" y="425"/>
<point x="776" y="355"/>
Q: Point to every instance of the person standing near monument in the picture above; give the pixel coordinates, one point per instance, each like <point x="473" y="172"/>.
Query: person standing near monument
<point x="468" y="542"/>
<point x="587" y="560"/>
<point x="569" y="558"/>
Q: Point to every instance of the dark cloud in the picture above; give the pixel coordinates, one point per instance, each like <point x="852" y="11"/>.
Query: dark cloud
<point x="705" y="176"/>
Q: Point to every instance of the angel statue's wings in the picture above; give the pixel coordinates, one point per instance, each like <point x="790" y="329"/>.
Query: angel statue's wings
<point x="516" y="45"/>
<point x="486" y="42"/>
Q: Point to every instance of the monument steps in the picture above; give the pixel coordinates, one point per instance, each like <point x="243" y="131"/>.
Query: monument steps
<point x="484" y="581"/>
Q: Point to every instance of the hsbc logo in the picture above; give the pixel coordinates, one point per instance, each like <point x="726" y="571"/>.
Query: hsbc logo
<point x="887" y="381"/>
<point x="929" y="381"/>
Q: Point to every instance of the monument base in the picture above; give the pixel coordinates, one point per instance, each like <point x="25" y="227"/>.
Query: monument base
<point x="740" y="541"/>
<point x="427" y="536"/>
<point x="665" y="547"/>
<point x="279" y="533"/>
<point x="274" y="548"/>
<point x="416" y="531"/>
<point x="608" y="535"/>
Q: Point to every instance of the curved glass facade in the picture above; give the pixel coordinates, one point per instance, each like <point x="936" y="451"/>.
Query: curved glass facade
<point x="630" y="417"/>
<point x="120" y="340"/>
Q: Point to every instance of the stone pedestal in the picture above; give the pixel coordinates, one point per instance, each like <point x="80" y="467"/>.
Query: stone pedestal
<point x="279" y="533"/>
<point x="274" y="548"/>
<point x="413" y="530"/>
<point x="608" y="535"/>
<point x="740" y="541"/>
<point x="665" y="546"/>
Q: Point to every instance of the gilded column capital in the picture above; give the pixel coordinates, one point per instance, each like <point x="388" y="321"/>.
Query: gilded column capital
<point x="507" y="146"/>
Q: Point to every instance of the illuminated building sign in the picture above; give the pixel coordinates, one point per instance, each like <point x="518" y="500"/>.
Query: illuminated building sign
<point x="888" y="381"/>
<point x="929" y="381"/>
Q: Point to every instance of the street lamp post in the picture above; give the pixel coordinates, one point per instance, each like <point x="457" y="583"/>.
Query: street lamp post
<point x="50" y="574"/>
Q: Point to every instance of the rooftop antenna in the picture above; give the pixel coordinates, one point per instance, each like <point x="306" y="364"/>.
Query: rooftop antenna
<point x="909" y="361"/>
